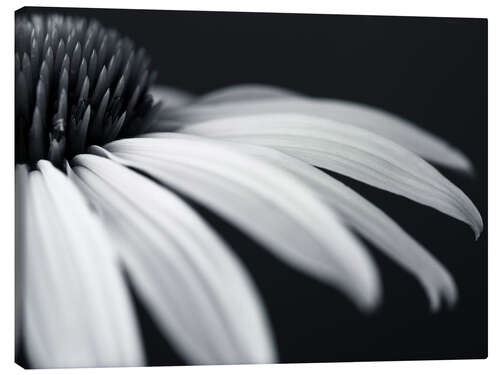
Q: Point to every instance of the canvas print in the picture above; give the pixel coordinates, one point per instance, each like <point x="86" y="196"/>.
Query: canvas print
<point x="235" y="188"/>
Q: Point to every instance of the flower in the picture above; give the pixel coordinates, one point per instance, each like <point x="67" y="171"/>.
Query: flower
<point x="103" y="163"/>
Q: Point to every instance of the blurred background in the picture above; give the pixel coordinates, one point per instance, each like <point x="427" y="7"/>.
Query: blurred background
<point x="432" y="71"/>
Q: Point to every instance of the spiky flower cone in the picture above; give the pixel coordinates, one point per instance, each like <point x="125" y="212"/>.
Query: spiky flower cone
<point x="77" y="84"/>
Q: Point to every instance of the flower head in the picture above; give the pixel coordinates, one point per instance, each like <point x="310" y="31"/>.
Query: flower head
<point x="103" y="163"/>
<point x="77" y="84"/>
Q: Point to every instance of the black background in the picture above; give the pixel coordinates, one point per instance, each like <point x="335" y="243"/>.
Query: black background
<point x="432" y="71"/>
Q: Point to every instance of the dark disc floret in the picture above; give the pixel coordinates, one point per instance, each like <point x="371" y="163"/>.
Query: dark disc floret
<point x="77" y="84"/>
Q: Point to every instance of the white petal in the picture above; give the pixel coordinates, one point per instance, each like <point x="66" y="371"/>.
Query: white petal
<point x="351" y="151"/>
<point x="76" y="309"/>
<point x="371" y="222"/>
<point x="243" y="92"/>
<point x="380" y="122"/>
<point x="266" y="202"/>
<point x="196" y="290"/>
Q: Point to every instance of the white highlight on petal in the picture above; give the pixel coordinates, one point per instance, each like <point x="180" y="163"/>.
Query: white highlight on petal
<point x="260" y="99"/>
<point x="76" y="309"/>
<point x="266" y="202"/>
<point x="368" y="220"/>
<point x="351" y="151"/>
<point x="197" y="291"/>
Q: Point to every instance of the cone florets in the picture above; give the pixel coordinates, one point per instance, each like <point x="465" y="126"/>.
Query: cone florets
<point x="77" y="84"/>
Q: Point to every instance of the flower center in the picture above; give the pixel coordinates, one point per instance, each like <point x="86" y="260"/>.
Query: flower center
<point x="77" y="84"/>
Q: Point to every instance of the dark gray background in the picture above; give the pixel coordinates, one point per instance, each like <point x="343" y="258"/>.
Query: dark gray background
<point x="432" y="71"/>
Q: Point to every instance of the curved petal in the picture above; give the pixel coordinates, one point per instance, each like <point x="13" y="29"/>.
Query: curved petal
<point x="249" y="91"/>
<point x="199" y="294"/>
<point x="259" y="100"/>
<point x="371" y="222"/>
<point x="351" y="151"/>
<point x="262" y="200"/>
<point x="76" y="308"/>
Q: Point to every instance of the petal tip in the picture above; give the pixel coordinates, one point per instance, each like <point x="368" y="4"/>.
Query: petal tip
<point x="370" y="296"/>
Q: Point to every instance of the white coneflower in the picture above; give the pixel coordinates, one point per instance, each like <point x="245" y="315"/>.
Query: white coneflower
<point x="100" y="159"/>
